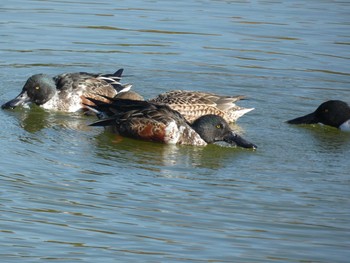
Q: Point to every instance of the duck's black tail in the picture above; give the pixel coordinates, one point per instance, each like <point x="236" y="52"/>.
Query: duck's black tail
<point x="114" y="80"/>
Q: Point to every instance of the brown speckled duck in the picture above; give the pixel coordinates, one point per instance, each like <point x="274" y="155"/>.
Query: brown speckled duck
<point x="193" y="104"/>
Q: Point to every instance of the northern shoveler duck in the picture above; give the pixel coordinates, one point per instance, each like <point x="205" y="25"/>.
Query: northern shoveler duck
<point x="334" y="113"/>
<point x="66" y="92"/>
<point x="155" y="122"/>
<point x="193" y="104"/>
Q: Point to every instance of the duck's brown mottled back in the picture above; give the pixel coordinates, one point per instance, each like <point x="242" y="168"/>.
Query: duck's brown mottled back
<point x="193" y="104"/>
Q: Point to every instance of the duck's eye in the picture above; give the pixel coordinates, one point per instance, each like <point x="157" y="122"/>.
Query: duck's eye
<point x="326" y="110"/>
<point x="219" y="126"/>
<point x="37" y="87"/>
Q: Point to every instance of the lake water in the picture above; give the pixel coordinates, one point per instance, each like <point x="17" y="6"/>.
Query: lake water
<point x="73" y="193"/>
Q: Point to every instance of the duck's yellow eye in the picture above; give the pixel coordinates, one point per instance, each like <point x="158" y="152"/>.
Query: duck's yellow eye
<point x="219" y="126"/>
<point x="37" y="87"/>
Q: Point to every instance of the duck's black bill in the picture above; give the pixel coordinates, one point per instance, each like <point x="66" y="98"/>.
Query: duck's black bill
<point x="307" y="119"/>
<point x="236" y="140"/>
<point x="21" y="99"/>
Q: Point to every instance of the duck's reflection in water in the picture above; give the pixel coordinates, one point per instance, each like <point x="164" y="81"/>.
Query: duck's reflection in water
<point x="166" y="160"/>
<point x="35" y="119"/>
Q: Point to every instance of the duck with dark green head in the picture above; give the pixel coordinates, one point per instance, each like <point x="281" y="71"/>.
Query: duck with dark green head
<point x="67" y="92"/>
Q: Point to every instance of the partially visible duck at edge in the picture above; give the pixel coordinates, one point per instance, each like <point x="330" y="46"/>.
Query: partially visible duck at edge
<point x="335" y="113"/>
<point x="155" y="122"/>
<point x="66" y="92"/>
<point x="193" y="104"/>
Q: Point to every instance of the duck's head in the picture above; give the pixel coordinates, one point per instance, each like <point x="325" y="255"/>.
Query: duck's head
<point x="38" y="89"/>
<point x="214" y="129"/>
<point x="334" y="113"/>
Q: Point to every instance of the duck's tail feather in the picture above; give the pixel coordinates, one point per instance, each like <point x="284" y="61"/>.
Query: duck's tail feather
<point x="121" y="87"/>
<point x="118" y="73"/>
<point x="114" y="80"/>
<point x="115" y="76"/>
<point x="239" y="112"/>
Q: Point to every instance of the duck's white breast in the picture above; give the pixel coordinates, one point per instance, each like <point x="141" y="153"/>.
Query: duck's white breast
<point x="345" y="126"/>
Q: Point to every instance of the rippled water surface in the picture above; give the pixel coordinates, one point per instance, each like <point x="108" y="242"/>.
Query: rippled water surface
<point x="73" y="193"/>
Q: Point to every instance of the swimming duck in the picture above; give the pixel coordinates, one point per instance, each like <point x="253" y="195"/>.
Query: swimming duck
<point x="66" y="92"/>
<point x="193" y="104"/>
<point x="334" y="113"/>
<point x="154" y="122"/>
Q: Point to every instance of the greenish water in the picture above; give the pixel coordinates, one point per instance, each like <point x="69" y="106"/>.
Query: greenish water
<point x="73" y="193"/>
